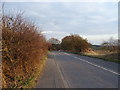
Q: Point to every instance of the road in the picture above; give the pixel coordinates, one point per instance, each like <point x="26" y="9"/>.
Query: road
<point x="65" y="70"/>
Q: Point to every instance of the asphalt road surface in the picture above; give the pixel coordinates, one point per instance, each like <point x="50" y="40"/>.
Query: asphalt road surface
<point x="65" y="70"/>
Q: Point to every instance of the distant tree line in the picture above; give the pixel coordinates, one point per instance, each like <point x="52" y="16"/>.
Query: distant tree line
<point x="76" y="43"/>
<point x="73" y="43"/>
<point x="54" y="44"/>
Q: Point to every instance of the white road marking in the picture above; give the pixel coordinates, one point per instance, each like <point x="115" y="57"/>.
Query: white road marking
<point x="65" y="82"/>
<point x="94" y="64"/>
<point x="62" y="77"/>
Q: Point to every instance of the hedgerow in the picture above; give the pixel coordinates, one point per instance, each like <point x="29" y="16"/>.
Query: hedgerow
<point x="23" y="49"/>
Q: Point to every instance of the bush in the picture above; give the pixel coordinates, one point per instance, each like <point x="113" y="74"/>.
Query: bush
<point x="74" y="43"/>
<point x="23" y="48"/>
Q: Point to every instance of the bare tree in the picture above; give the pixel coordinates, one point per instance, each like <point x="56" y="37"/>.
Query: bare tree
<point x="111" y="44"/>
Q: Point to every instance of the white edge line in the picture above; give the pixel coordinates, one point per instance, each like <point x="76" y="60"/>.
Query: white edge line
<point x="94" y="64"/>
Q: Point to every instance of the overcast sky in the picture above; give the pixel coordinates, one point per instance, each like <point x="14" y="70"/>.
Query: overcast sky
<point x="96" y="21"/>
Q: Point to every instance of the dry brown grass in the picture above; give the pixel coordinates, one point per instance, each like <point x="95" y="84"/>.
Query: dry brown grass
<point x="103" y="54"/>
<point x="23" y="48"/>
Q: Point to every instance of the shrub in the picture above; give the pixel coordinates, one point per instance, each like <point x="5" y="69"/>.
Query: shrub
<point x="74" y="43"/>
<point x="23" y="48"/>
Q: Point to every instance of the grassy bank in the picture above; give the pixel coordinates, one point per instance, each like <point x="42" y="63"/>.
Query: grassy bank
<point x="109" y="57"/>
<point x="104" y="55"/>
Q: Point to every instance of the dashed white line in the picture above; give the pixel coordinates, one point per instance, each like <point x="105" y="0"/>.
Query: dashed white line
<point x="94" y="64"/>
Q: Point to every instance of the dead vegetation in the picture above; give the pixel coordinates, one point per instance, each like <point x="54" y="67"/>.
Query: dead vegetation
<point x="103" y="54"/>
<point x="23" y="50"/>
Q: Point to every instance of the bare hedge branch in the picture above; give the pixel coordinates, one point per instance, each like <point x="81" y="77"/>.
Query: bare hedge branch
<point x="23" y="49"/>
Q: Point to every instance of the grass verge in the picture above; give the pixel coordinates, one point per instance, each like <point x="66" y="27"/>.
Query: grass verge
<point x="107" y="57"/>
<point x="103" y="58"/>
<point x="32" y="80"/>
